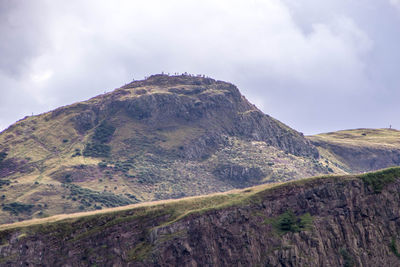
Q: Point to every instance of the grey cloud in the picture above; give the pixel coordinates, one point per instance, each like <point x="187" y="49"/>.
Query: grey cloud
<point x="316" y="66"/>
<point x="22" y="33"/>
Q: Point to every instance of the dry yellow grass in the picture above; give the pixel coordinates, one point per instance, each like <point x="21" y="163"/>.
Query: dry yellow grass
<point x="237" y="194"/>
<point x="362" y="137"/>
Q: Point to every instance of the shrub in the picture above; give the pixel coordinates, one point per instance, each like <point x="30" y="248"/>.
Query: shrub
<point x="347" y="258"/>
<point x="393" y="247"/>
<point x="103" y="133"/>
<point x="289" y="222"/>
<point x="17" y="207"/>
<point x="77" y="152"/>
<point x="97" y="150"/>
<point x="106" y="199"/>
<point x="3" y="155"/>
<point x="4" y="182"/>
<point x="102" y="165"/>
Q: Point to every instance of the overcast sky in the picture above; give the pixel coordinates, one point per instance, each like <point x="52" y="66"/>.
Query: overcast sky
<point x="315" y="65"/>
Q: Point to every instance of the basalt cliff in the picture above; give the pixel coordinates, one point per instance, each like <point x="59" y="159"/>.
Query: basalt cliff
<point x="348" y="220"/>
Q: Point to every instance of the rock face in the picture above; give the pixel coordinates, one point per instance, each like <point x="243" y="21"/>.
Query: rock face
<point x="215" y="106"/>
<point x="333" y="221"/>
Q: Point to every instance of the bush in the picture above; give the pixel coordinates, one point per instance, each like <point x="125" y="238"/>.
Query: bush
<point x="97" y="150"/>
<point x="393" y="247"/>
<point x="103" y="133"/>
<point x="17" y="207"/>
<point x="347" y="258"/>
<point x="77" y="152"/>
<point x="4" y="182"/>
<point x="102" y="165"/>
<point x="87" y="196"/>
<point x="3" y="155"/>
<point x="289" y="222"/>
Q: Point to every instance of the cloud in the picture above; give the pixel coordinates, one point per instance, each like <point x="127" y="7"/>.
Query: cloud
<point x="395" y="3"/>
<point x="284" y="57"/>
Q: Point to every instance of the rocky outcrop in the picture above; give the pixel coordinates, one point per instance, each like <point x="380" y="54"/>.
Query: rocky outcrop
<point x="239" y="175"/>
<point x="215" y="106"/>
<point x="333" y="221"/>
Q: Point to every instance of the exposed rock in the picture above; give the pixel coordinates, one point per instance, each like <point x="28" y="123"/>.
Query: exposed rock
<point x="218" y="107"/>
<point x="350" y="224"/>
<point x="85" y="121"/>
<point x="239" y="175"/>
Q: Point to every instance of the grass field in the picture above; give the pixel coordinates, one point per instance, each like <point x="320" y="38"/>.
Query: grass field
<point x="362" y="137"/>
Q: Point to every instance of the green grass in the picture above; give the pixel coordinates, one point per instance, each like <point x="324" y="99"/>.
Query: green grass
<point x="378" y="180"/>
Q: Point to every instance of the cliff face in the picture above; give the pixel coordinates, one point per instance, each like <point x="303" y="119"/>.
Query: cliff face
<point x="332" y="221"/>
<point x="160" y="138"/>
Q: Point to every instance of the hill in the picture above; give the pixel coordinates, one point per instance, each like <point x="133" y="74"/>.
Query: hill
<point x="360" y="150"/>
<point x="160" y="138"/>
<point x="348" y="220"/>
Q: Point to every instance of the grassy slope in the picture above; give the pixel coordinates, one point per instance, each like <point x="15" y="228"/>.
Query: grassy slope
<point x="355" y="140"/>
<point x="381" y="138"/>
<point x="180" y="208"/>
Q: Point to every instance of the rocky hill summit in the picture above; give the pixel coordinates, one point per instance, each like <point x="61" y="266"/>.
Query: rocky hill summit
<point x="325" y="221"/>
<point x="214" y="108"/>
<point x="159" y="138"/>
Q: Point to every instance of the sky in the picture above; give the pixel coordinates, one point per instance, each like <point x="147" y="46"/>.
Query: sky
<point x="317" y="66"/>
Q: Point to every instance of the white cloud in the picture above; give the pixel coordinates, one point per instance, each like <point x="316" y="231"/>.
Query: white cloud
<point x="82" y="48"/>
<point x="395" y="3"/>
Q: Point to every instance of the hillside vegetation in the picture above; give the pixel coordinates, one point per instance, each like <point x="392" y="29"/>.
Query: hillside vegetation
<point x="165" y="137"/>
<point x="360" y="150"/>
<point x="333" y="220"/>
<point x="161" y="138"/>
